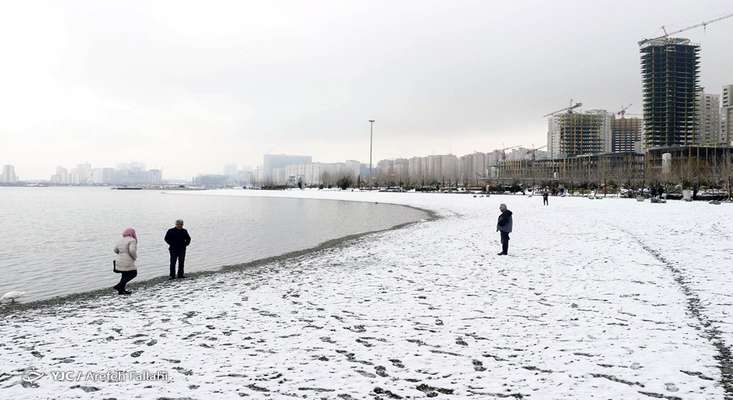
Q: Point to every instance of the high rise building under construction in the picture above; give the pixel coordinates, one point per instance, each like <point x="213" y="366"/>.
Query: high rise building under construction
<point x="582" y="133"/>
<point x="626" y="134"/>
<point x="670" y="73"/>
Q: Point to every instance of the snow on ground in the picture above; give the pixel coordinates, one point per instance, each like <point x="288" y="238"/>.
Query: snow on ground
<point x="598" y="299"/>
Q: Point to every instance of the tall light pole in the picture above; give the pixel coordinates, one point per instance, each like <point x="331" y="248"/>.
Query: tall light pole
<point x="371" y="137"/>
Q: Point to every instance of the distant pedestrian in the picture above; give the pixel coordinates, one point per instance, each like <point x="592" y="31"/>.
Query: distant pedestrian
<point x="544" y="198"/>
<point x="126" y="251"/>
<point x="504" y="227"/>
<point x="177" y="239"/>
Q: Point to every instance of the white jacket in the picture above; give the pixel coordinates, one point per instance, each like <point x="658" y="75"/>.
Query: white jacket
<point x="126" y="251"/>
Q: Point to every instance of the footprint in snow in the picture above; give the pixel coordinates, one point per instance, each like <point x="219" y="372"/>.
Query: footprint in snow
<point x="87" y="389"/>
<point x="478" y="366"/>
<point x="366" y="374"/>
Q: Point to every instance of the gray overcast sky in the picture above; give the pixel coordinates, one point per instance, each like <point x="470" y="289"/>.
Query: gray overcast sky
<point x="191" y="86"/>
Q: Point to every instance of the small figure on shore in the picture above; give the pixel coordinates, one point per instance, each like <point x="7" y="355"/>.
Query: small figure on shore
<point x="126" y="251"/>
<point x="504" y="227"/>
<point x="544" y="198"/>
<point x="177" y="239"/>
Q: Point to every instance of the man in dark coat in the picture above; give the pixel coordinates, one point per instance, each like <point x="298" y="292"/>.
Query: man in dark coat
<point x="177" y="239"/>
<point x="504" y="227"/>
<point x="544" y="197"/>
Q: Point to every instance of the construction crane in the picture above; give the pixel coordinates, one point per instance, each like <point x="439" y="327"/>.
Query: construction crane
<point x="510" y="147"/>
<point x="569" y="109"/>
<point x="534" y="151"/>
<point x="703" y="24"/>
<point x="503" y="151"/>
<point x="622" y="113"/>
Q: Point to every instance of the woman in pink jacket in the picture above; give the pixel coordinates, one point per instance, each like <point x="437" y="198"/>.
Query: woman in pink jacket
<point x="126" y="251"/>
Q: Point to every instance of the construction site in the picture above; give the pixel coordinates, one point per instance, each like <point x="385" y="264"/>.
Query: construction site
<point x="675" y="142"/>
<point x="580" y="133"/>
<point x="667" y="146"/>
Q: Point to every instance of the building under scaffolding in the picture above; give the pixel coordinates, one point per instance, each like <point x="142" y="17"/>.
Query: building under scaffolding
<point x="574" y="134"/>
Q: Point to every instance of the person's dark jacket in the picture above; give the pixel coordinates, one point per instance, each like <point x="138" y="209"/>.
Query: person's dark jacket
<point x="177" y="239"/>
<point x="505" y="222"/>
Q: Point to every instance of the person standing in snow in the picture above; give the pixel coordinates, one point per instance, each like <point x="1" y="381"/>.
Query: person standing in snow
<point x="544" y="198"/>
<point x="504" y="227"/>
<point x="126" y="251"/>
<point x="177" y="239"/>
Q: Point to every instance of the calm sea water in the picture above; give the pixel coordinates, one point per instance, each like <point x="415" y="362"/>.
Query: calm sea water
<point x="58" y="241"/>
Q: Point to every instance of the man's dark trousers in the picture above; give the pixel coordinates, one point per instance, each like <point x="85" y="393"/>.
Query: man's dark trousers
<point x="180" y="255"/>
<point x="504" y="242"/>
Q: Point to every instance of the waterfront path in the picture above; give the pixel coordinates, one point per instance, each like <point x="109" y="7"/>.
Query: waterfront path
<point x="598" y="299"/>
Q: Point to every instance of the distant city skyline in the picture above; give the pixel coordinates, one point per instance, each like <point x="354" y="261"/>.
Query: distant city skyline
<point x="8" y="175"/>
<point x="133" y="173"/>
<point x="188" y="88"/>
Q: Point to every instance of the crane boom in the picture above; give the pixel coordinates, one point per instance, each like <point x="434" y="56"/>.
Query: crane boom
<point x="510" y="147"/>
<point x="622" y="113"/>
<point x="534" y="151"/>
<point x="571" y="108"/>
<point x="701" y="24"/>
<point x="503" y="151"/>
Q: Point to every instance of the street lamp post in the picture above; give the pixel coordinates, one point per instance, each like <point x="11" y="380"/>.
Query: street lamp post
<point x="371" y="136"/>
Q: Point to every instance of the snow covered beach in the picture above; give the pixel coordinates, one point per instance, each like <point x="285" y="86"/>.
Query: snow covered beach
<point x="598" y="299"/>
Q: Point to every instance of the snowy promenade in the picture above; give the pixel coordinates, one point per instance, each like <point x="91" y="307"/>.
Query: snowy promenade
<point x="607" y="299"/>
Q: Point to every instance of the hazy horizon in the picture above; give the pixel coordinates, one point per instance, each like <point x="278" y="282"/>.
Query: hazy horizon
<point x="188" y="88"/>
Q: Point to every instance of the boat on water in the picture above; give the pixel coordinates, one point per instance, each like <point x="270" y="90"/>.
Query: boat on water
<point x="127" y="188"/>
<point x="182" y="187"/>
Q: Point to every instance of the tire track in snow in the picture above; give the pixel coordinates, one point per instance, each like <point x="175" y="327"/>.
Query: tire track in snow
<point x="694" y="306"/>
